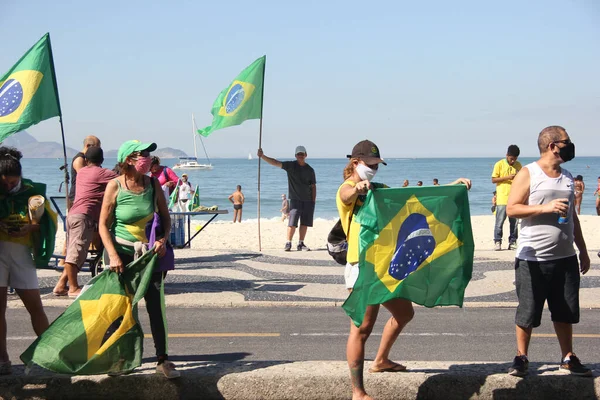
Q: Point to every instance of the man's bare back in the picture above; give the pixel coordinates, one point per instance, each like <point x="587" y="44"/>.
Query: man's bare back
<point x="237" y="197"/>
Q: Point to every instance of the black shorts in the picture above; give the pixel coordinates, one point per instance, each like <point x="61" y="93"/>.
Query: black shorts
<point x="556" y="281"/>
<point x="303" y="211"/>
<point x="237" y="206"/>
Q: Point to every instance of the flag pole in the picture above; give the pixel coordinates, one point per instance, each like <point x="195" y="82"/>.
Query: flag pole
<point x="262" y="102"/>
<point x="65" y="166"/>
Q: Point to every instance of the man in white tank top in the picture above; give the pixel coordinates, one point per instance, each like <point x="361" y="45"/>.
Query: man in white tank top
<point x="546" y="266"/>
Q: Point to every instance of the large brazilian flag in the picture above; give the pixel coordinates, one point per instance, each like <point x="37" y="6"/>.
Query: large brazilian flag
<point x="28" y="91"/>
<point x="415" y="244"/>
<point x="239" y="101"/>
<point x="100" y="332"/>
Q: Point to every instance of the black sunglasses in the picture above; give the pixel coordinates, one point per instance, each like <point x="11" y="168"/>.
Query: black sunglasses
<point x="136" y="154"/>
<point x="566" y="141"/>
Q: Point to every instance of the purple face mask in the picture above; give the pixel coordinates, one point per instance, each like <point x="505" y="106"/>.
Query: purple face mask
<point x="142" y="165"/>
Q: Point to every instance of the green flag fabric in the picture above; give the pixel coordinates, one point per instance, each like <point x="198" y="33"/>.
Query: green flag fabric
<point x="195" y="199"/>
<point x="28" y="92"/>
<point x="239" y="101"/>
<point x="415" y="244"/>
<point x="174" y="196"/>
<point x="100" y="332"/>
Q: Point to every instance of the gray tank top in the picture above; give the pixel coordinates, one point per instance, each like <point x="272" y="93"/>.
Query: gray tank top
<point x="541" y="237"/>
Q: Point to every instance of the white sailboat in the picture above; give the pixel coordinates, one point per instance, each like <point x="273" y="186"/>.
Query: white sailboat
<point x="249" y="156"/>
<point x="192" y="162"/>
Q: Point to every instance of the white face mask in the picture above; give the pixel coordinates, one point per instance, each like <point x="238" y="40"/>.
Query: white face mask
<point x="16" y="188"/>
<point x="365" y="172"/>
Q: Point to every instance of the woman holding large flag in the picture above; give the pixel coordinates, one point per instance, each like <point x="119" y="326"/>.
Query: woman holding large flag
<point x="129" y="205"/>
<point x="358" y="174"/>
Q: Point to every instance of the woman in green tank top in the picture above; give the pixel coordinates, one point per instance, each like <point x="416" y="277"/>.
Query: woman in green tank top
<point x="127" y="207"/>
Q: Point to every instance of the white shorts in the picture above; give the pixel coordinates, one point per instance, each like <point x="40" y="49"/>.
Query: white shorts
<point x="351" y="275"/>
<point x="17" y="269"/>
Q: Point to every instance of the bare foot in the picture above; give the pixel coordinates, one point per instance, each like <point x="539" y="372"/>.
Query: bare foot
<point x="361" y="396"/>
<point x="60" y="290"/>
<point x="74" y="293"/>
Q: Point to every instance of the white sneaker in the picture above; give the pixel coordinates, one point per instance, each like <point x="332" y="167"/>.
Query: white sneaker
<point x="167" y="368"/>
<point x="497" y="246"/>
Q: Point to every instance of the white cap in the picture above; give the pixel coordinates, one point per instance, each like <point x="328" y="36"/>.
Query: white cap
<point x="300" y="149"/>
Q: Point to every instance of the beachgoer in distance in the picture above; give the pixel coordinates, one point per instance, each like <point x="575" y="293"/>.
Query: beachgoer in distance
<point x="502" y="175"/>
<point x="358" y="174"/>
<point x="17" y="240"/>
<point x="237" y="198"/>
<point x="597" y="196"/>
<point x="130" y="200"/>
<point x="83" y="219"/>
<point x="302" y="188"/>
<point x="420" y="183"/>
<point x="185" y="193"/>
<point x="405" y="184"/>
<point x="285" y="208"/>
<point x="546" y="267"/>
<point x="579" y="189"/>
<point x="165" y="175"/>
<point x="436" y="182"/>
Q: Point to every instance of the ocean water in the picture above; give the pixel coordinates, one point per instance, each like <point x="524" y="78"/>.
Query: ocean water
<point x="216" y="185"/>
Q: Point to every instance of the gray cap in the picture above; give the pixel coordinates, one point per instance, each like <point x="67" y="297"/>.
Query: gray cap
<point x="300" y="149"/>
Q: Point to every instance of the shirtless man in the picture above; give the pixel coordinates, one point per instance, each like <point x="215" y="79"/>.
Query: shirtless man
<point x="237" y="198"/>
<point x="579" y="189"/>
<point x="597" y="196"/>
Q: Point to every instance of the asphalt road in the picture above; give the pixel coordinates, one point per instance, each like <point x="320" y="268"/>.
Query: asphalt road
<point x="302" y="333"/>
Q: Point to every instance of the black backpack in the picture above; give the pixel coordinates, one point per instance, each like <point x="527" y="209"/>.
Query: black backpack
<point x="337" y="243"/>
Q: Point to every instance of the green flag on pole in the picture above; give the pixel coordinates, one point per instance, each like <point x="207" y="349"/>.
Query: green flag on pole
<point x="28" y="92"/>
<point x="195" y="199"/>
<point x="100" y="332"/>
<point x="173" y="197"/>
<point x="239" y="101"/>
<point x="414" y="244"/>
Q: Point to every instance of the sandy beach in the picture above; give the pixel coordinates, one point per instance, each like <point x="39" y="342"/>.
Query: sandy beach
<point x="224" y="235"/>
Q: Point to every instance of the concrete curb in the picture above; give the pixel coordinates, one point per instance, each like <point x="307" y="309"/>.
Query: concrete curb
<point x="307" y="380"/>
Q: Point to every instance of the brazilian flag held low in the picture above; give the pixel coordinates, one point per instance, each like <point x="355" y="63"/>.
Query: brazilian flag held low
<point x="28" y="92"/>
<point x="100" y="332"/>
<point x="239" y="101"/>
<point x="415" y="244"/>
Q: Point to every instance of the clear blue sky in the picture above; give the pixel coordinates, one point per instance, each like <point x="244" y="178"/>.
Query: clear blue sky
<point x="430" y="78"/>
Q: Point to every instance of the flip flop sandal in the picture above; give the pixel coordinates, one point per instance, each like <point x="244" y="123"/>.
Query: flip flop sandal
<point x="394" y="368"/>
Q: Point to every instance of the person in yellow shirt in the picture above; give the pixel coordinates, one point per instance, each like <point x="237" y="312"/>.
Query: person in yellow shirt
<point x="503" y="174"/>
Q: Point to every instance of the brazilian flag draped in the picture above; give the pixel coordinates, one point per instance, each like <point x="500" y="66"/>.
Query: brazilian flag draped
<point x="100" y="332"/>
<point x="415" y="244"/>
<point x="28" y="93"/>
<point x="239" y="101"/>
<point x="14" y="212"/>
